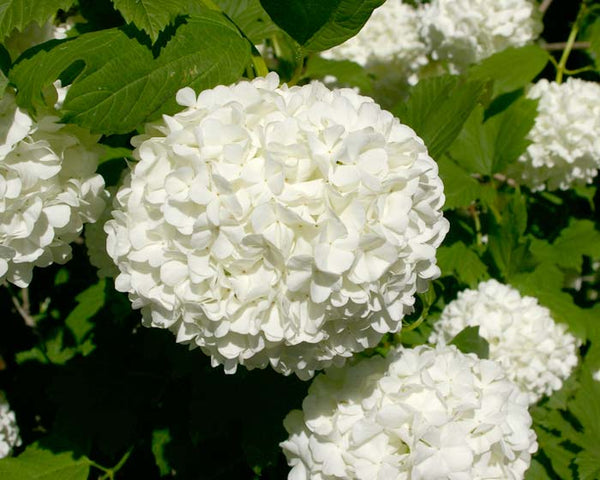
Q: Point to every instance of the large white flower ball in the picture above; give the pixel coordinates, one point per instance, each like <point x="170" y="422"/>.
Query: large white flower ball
<point x="420" y="414"/>
<point x="268" y="224"/>
<point x="565" y="148"/>
<point x="537" y="353"/>
<point x="389" y="44"/>
<point x="463" y="32"/>
<point x="95" y="242"/>
<point x="48" y="189"/>
<point x="9" y="430"/>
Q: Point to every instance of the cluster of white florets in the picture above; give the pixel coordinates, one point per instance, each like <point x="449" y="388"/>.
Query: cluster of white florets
<point x="48" y="189"/>
<point x="422" y="413"/>
<point x="399" y="40"/>
<point x="565" y="145"/>
<point x="268" y="224"/>
<point x="9" y="430"/>
<point x="95" y="242"/>
<point x="462" y="32"/>
<point x="389" y="45"/>
<point x="537" y="353"/>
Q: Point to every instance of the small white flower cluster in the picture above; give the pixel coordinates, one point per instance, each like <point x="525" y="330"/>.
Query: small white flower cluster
<point x="389" y="45"/>
<point x="565" y="148"/>
<point x="399" y="40"/>
<point x="95" y="242"/>
<point x="537" y="353"/>
<point x="9" y="430"/>
<point x="34" y="34"/>
<point x="48" y="189"/>
<point x="422" y="413"/>
<point x="462" y="32"/>
<point x="268" y="224"/>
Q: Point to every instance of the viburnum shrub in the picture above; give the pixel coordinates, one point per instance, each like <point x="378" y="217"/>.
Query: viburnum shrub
<point x="369" y="226"/>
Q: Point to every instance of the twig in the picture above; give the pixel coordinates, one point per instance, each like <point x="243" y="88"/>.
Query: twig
<point x="23" y="309"/>
<point x="558" y="46"/>
<point x="544" y="5"/>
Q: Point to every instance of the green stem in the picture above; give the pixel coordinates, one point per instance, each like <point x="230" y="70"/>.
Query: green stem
<point x="260" y="67"/>
<point x="109" y="473"/>
<point x="561" y="68"/>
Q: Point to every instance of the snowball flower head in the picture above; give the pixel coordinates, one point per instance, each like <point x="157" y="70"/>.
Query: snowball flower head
<point x="388" y="45"/>
<point x="9" y="430"/>
<point x="463" y="32"/>
<point x="48" y="189"/>
<point x="565" y="148"/>
<point x="420" y="414"/>
<point x="268" y="224"/>
<point x="95" y="242"/>
<point x="537" y="353"/>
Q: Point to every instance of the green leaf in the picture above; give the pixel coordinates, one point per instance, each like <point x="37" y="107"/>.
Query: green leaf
<point x="469" y="341"/>
<point x="438" y="108"/>
<point x="489" y="147"/>
<point x="545" y="283"/>
<point x="36" y="463"/>
<point x="250" y="17"/>
<point x="536" y="472"/>
<point x="90" y="301"/>
<point x="460" y="188"/>
<point x="345" y="71"/>
<point x="20" y="13"/>
<point x="588" y="462"/>
<point x="317" y="25"/>
<point x="122" y="85"/>
<point x="152" y="16"/>
<point x="460" y="261"/>
<point x="578" y="239"/>
<point x="160" y="439"/>
<point x="512" y="68"/>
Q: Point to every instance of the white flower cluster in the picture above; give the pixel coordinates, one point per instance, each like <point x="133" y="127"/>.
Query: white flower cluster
<point x="268" y="224"/>
<point x="462" y="32"/>
<point x="399" y="40"/>
<point x="9" y="430"/>
<point x="34" y="34"/>
<point x="537" y="353"/>
<point x="95" y="242"/>
<point x="565" y="148"/>
<point x="389" y="45"/>
<point x="420" y="414"/>
<point x="48" y="189"/>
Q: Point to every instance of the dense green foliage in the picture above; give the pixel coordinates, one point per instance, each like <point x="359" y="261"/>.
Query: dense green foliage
<point x="99" y="396"/>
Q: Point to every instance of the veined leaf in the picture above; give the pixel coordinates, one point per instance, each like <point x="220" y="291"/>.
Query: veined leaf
<point x="20" y="13"/>
<point x="317" y="25"/>
<point x="250" y="17"/>
<point x="512" y="68"/>
<point x="460" y="260"/>
<point x="90" y="301"/>
<point x="578" y="239"/>
<point x="152" y="16"/>
<point x="469" y="341"/>
<point x="36" y="463"/>
<point x="438" y="108"/>
<point x="345" y="71"/>
<point x="122" y="85"/>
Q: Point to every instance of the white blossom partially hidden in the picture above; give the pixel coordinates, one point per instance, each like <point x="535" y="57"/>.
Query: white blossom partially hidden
<point x="462" y="32"/>
<point x="34" y="34"/>
<point x="95" y="242"/>
<point x="388" y="46"/>
<point x="268" y="224"/>
<point x="48" y="189"/>
<point x="565" y="148"/>
<point x="537" y="353"/>
<point x="9" y="430"/>
<point x="420" y="414"/>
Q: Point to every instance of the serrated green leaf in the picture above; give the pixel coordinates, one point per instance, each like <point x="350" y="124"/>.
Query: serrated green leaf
<point x="545" y="283"/>
<point x="578" y="239"/>
<point x="489" y="147"/>
<point x="89" y="303"/>
<point x="20" y="13"/>
<point x="588" y="462"/>
<point x="152" y="16"/>
<point x="160" y="439"/>
<point x="460" y="261"/>
<point x="345" y="71"/>
<point x="317" y="25"/>
<point x="512" y="68"/>
<point x="122" y="85"/>
<point x="250" y="17"/>
<point x="36" y="463"/>
<point x="469" y="341"/>
<point x="537" y="472"/>
<point x="438" y="108"/>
